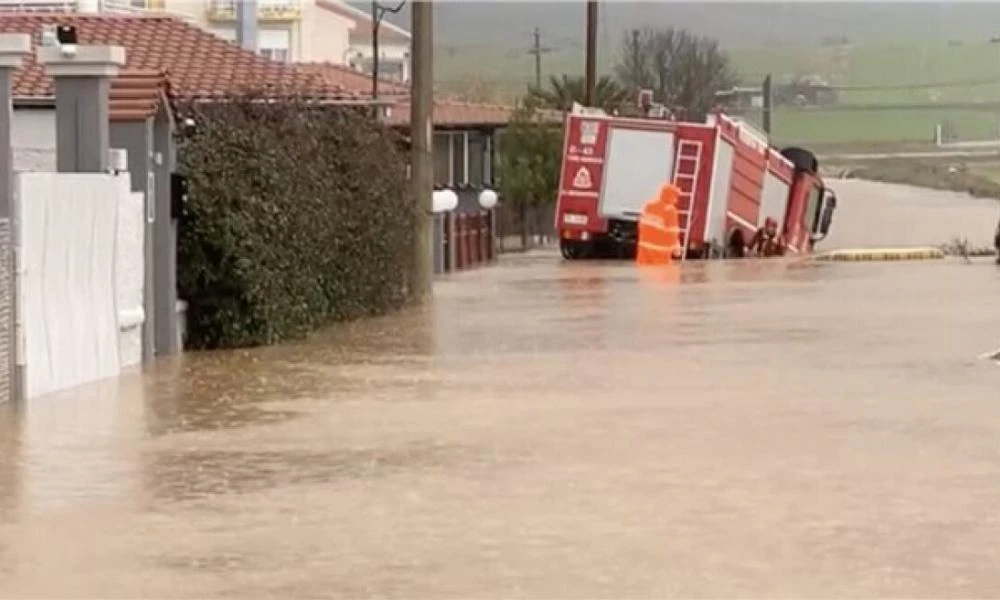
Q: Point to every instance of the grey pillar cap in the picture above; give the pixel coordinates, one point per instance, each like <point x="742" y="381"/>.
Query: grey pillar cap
<point x="13" y="48"/>
<point x="82" y="61"/>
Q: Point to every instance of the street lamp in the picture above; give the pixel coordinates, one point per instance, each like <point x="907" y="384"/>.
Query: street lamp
<point x="444" y="201"/>
<point x="378" y="13"/>
<point x="488" y="199"/>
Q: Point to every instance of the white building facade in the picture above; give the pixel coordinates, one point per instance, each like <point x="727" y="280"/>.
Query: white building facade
<point x="328" y="31"/>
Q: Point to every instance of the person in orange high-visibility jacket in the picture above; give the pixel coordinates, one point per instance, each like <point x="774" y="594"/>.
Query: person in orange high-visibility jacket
<point x="659" y="229"/>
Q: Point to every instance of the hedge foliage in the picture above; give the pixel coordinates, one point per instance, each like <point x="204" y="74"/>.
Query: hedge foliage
<point x="297" y="216"/>
<point x="530" y="157"/>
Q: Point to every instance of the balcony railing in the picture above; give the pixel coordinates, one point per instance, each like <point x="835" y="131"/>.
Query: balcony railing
<point x="267" y="10"/>
<point x="101" y="6"/>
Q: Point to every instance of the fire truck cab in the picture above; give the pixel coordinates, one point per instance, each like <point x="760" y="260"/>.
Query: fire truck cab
<point x="730" y="179"/>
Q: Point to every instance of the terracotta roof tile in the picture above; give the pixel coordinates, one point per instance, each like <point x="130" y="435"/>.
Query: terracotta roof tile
<point x="136" y="95"/>
<point x="447" y="112"/>
<point x="456" y="113"/>
<point x="198" y="64"/>
<point x="354" y="81"/>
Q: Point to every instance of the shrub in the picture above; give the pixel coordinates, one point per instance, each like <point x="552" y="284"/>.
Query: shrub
<point x="297" y="216"/>
<point x="529" y="159"/>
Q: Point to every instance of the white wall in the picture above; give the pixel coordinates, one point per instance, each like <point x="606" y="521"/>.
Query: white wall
<point x="130" y="275"/>
<point x="325" y="35"/>
<point x="33" y="133"/>
<point x="76" y="273"/>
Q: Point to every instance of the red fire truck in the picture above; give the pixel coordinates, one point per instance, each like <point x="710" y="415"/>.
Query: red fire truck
<point x="730" y="179"/>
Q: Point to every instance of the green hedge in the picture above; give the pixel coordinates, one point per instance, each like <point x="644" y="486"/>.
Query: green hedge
<point x="298" y="216"/>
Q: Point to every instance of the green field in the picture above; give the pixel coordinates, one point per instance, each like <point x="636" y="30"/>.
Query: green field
<point x="958" y="71"/>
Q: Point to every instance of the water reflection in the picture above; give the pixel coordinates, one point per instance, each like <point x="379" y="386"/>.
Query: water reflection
<point x="542" y="429"/>
<point x="10" y="472"/>
<point x="80" y="445"/>
<point x="192" y="474"/>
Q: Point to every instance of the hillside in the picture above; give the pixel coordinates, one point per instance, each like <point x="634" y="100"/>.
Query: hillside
<point x="482" y="51"/>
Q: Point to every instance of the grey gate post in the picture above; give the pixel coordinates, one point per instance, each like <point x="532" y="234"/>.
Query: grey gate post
<point x="83" y="86"/>
<point x="13" y="48"/>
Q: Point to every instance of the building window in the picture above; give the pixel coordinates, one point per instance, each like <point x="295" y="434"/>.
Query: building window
<point x="458" y="159"/>
<point x="275" y="44"/>
<point x="442" y="158"/>
<point x="477" y="154"/>
<point x="276" y="54"/>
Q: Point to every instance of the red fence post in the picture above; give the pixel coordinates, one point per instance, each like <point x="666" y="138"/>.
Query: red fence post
<point x="491" y="235"/>
<point x="484" y="236"/>
<point x="447" y="242"/>
<point x="476" y="245"/>
<point x="463" y="245"/>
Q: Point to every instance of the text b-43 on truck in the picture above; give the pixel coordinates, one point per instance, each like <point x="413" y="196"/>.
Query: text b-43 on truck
<point x="731" y="180"/>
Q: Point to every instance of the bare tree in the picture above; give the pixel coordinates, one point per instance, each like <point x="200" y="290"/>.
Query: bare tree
<point x="683" y="70"/>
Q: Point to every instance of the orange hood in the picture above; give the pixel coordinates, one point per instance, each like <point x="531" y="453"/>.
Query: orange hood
<point x="669" y="194"/>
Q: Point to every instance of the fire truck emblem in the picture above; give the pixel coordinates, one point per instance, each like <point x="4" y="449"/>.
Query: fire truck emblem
<point x="582" y="179"/>
<point x="588" y="132"/>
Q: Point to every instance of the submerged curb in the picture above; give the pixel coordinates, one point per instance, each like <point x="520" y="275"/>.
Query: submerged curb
<point x="881" y="254"/>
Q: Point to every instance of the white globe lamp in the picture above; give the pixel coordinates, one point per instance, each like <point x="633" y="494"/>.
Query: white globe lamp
<point x="443" y="201"/>
<point x="488" y="199"/>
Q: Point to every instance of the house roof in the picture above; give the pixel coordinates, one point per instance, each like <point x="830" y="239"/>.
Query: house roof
<point x="456" y="113"/>
<point x="448" y="112"/>
<point x="198" y="64"/>
<point x="354" y="81"/>
<point x="388" y="33"/>
<point x="136" y="95"/>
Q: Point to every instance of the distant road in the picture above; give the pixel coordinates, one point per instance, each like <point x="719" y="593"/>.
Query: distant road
<point x="957" y="153"/>
<point x="887" y="106"/>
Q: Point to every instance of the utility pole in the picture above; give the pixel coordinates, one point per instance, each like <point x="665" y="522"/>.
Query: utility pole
<point x="376" y="21"/>
<point x="378" y="13"/>
<point x="636" y="54"/>
<point x="537" y="50"/>
<point x="591" y="82"/>
<point x="767" y="101"/>
<point x="422" y="146"/>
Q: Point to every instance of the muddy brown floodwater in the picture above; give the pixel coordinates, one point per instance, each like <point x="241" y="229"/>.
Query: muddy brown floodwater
<point x="548" y="430"/>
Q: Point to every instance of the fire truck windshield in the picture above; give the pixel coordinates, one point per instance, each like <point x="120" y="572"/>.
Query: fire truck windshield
<point x="814" y="205"/>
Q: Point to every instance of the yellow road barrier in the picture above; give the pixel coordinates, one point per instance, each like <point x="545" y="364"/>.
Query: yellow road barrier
<point x="882" y="254"/>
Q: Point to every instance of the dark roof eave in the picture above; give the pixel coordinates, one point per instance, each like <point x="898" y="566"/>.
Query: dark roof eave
<point x="459" y="126"/>
<point x="34" y="102"/>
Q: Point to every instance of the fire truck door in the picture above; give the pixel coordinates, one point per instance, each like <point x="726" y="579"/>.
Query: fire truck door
<point x="718" y="202"/>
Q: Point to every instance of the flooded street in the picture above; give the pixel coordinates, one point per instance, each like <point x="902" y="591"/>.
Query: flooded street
<point x="551" y="429"/>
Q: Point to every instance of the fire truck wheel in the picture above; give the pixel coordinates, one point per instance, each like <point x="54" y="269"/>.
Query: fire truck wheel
<point x="574" y="250"/>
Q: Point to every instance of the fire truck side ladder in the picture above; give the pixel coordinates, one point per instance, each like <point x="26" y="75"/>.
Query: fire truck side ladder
<point x="687" y="165"/>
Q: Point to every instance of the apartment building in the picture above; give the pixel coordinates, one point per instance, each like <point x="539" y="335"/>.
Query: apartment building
<point x="327" y="31"/>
